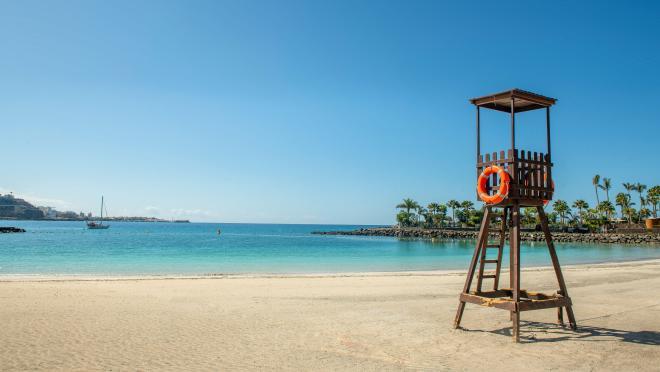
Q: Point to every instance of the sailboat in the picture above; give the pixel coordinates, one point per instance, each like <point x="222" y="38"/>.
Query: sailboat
<point x="98" y="225"/>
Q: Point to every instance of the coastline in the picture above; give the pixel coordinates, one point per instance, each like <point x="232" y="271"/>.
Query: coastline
<point x="27" y="278"/>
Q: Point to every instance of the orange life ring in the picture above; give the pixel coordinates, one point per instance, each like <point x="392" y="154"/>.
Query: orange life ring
<point x="503" y="191"/>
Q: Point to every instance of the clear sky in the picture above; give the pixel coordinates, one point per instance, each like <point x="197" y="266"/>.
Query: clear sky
<point x="312" y="111"/>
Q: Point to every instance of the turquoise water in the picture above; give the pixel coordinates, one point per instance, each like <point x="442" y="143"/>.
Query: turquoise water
<point x="195" y="249"/>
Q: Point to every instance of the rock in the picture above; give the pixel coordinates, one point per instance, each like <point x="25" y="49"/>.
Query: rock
<point x="6" y="230"/>
<point x="466" y="234"/>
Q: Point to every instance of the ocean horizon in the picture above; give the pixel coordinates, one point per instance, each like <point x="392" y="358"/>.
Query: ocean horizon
<point x="144" y="248"/>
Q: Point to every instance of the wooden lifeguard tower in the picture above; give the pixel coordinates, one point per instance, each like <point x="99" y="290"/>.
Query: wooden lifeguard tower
<point x="529" y="185"/>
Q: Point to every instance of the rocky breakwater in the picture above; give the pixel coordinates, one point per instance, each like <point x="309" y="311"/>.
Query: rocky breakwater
<point x="467" y="234"/>
<point x="7" y="230"/>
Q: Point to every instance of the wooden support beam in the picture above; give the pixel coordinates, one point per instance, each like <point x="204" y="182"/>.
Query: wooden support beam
<point x="514" y="238"/>
<point x="483" y="235"/>
<point x="500" y="303"/>
<point x="555" y="264"/>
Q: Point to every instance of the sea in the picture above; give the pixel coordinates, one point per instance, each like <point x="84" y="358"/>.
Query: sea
<point x="182" y="249"/>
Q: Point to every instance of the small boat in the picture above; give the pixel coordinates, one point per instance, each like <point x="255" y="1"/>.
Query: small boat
<point x="93" y="225"/>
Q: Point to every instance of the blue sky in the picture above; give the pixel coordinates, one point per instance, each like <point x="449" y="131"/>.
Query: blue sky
<point x="312" y="111"/>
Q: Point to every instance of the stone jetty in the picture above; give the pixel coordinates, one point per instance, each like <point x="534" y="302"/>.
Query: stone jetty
<point x="6" y="230"/>
<point x="535" y="236"/>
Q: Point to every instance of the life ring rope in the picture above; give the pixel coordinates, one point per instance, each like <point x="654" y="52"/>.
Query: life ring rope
<point x="503" y="190"/>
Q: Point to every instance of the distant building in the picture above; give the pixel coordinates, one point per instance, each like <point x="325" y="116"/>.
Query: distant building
<point x="48" y="212"/>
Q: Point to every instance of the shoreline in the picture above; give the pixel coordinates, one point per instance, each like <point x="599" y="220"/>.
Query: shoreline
<point x="28" y="278"/>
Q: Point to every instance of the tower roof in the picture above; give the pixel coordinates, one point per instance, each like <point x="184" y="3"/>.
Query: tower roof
<point x="523" y="101"/>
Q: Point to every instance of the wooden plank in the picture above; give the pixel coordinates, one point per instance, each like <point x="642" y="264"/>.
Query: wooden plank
<point x="544" y="304"/>
<point x="524" y="294"/>
<point x="499" y="303"/>
<point x="543" y="179"/>
<point x="536" y="183"/>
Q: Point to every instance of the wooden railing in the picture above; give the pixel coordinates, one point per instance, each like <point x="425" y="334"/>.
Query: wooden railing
<point x="531" y="173"/>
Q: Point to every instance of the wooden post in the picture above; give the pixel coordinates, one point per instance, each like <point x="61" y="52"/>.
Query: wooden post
<point x="555" y="265"/>
<point x="548" y="159"/>
<point x="547" y="127"/>
<point x="513" y="123"/>
<point x="514" y="164"/>
<point x="478" y="134"/>
<point x="514" y="239"/>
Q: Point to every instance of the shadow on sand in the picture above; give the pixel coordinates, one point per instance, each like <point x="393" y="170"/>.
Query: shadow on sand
<point x="550" y="332"/>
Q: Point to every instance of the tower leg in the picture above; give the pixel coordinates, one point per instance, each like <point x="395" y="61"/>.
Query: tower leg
<point x="514" y="239"/>
<point x="483" y="235"/>
<point x="555" y="265"/>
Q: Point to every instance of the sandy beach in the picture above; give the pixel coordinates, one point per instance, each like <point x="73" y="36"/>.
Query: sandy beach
<point x="387" y="321"/>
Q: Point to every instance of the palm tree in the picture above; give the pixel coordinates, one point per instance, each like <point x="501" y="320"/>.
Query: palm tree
<point x="453" y="204"/>
<point x="403" y="218"/>
<point x="421" y="212"/>
<point x="529" y="216"/>
<point x="640" y="189"/>
<point x="580" y="205"/>
<point x="596" y="182"/>
<point x="607" y="208"/>
<point x="441" y="214"/>
<point x="436" y="212"/>
<point x="433" y="208"/>
<point x="630" y="212"/>
<point x="408" y="204"/>
<point x="467" y="206"/>
<point x="623" y="200"/>
<point x="561" y="208"/>
<point x="629" y="187"/>
<point x="653" y="197"/>
<point x="607" y="186"/>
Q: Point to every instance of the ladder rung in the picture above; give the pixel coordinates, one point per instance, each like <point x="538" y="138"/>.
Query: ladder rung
<point x="490" y="261"/>
<point x="489" y="276"/>
<point x="492" y="245"/>
<point x="496" y="215"/>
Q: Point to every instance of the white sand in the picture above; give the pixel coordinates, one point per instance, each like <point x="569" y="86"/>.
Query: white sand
<point x="358" y="322"/>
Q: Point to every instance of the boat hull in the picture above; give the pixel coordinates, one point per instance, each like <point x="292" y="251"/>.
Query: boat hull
<point x="95" y="226"/>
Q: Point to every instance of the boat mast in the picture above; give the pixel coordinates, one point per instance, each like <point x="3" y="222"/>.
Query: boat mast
<point x="101" y="208"/>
